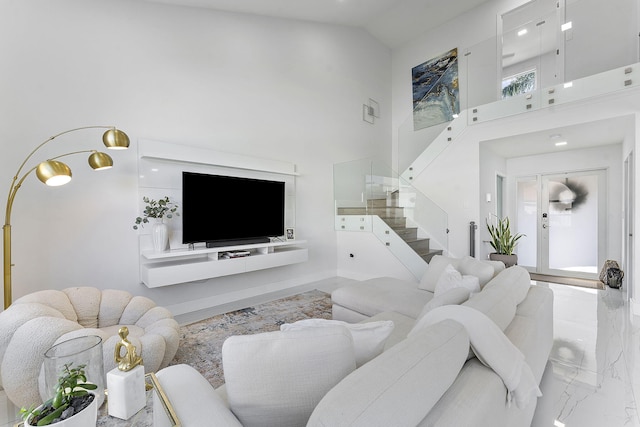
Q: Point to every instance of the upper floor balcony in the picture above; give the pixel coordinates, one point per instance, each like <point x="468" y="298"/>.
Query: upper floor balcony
<point x="545" y="53"/>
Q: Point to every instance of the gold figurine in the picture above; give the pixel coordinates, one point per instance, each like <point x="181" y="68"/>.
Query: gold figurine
<point x="130" y="359"/>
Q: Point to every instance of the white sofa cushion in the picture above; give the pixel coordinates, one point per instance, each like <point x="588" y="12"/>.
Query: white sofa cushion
<point x="277" y="378"/>
<point x="452" y="296"/>
<point x="435" y="269"/>
<point x="401" y="326"/>
<point x="498" y="266"/>
<point x="368" y="338"/>
<point x="500" y="297"/>
<point x="473" y="267"/>
<point x="383" y="392"/>
<point x="514" y="280"/>
<point x="452" y="278"/>
<point x="380" y="294"/>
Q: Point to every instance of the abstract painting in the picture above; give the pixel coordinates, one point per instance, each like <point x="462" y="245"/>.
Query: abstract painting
<point x="435" y="90"/>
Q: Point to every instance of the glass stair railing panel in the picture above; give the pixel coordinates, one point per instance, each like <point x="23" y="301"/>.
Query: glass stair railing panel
<point x="430" y="219"/>
<point x="398" y="246"/>
<point x="379" y="194"/>
<point x="352" y="187"/>
<point x="598" y="36"/>
<point x="448" y="133"/>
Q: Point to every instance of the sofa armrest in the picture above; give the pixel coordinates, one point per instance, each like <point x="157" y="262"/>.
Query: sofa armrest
<point x="194" y="400"/>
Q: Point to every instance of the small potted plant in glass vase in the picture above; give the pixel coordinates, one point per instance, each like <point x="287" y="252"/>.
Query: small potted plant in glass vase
<point x="158" y="210"/>
<point x="503" y="241"/>
<point x="72" y="405"/>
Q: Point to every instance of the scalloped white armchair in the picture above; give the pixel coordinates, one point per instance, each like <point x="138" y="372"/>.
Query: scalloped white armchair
<point x="35" y="322"/>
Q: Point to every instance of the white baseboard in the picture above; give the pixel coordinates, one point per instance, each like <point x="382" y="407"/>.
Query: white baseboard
<point x="635" y="307"/>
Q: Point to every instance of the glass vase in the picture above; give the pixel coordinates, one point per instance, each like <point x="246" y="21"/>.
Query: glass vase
<point x="77" y="351"/>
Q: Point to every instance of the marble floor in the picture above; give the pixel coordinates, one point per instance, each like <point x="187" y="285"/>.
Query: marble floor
<point x="593" y="375"/>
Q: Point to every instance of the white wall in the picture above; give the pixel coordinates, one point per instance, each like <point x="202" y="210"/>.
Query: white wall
<point x="477" y="29"/>
<point x="270" y="88"/>
<point x="491" y="165"/>
<point x="370" y="258"/>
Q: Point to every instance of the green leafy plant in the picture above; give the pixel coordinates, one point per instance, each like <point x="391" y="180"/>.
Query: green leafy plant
<point x="159" y="209"/>
<point x="522" y="84"/>
<point x="72" y="384"/>
<point x="502" y="240"/>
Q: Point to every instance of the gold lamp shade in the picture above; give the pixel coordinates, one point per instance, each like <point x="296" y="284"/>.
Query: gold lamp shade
<point x="99" y="161"/>
<point x="53" y="173"/>
<point x="115" y="139"/>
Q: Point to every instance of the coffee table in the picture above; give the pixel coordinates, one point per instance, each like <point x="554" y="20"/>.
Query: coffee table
<point x="158" y="411"/>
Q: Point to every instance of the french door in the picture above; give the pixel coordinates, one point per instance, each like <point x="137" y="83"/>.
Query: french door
<point x="564" y="218"/>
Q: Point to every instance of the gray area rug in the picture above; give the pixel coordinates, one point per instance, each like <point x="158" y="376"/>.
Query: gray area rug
<point x="201" y="342"/>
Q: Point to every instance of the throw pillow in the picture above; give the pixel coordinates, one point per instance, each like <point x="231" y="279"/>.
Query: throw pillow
<point x="402" y="385"/>
<point x="452" y="296"/>
<point x="451" y="278"/>
<point x="435" y="269"/>
<point x="368" y="338"/>
<point x="277" y="378"/>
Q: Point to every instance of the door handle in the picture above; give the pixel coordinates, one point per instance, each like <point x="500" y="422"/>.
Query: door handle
<point x="545" y="226"/>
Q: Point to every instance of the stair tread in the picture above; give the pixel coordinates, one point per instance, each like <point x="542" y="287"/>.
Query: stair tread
<point x="396" y="223"/>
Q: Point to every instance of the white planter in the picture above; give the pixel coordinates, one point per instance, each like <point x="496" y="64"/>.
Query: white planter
<point x="88" y="417"/>
<point x="160" y="236"/>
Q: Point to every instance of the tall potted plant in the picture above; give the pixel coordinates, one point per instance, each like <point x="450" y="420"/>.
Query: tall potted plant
<point x="157" y="209"/>
<point x="72" y="404"/>
<point x="503" y="241"/>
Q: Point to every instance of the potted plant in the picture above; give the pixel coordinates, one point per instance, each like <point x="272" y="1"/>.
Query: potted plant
<point x="503" y="242"/>
<point x="157" y="209"/>
<point x="72" y="405"/>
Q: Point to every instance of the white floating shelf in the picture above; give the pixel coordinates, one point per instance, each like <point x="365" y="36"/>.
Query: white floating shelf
<point x="183" y="265"/>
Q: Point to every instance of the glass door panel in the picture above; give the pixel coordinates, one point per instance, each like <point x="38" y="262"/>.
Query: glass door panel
<point x="527" y="221"/>
<point x="572" y="224"/>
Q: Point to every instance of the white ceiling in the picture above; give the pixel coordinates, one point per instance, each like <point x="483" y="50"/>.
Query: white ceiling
<point x="585" y="135"/>
<point x="393" y="22"/>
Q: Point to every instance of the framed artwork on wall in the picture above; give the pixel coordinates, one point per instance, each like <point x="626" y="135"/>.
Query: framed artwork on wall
<point x="435" y="90"/>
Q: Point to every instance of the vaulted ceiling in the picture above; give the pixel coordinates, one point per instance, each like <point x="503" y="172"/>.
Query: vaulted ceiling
<point x="393" y="22"/>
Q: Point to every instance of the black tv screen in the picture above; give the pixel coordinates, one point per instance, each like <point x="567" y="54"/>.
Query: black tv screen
<point x="225" y="210"/>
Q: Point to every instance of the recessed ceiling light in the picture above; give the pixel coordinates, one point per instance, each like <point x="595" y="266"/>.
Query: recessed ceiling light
<point x="522" y="32"/>
<point x="561" y="143"/>
<point x="568" y="85"/>
<point x="455" y="116"/>
<point x="566" y="26"/>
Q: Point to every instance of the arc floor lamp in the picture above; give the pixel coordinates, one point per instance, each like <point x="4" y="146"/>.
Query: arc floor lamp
<point x="53" y="172"/>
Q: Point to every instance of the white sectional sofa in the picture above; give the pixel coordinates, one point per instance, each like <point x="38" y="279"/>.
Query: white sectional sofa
<point x="426" y="375"/>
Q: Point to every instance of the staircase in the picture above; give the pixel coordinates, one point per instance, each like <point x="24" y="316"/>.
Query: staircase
<point x="393" y="215"/>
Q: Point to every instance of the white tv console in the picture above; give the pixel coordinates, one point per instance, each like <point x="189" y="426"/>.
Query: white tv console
<point x="184" y="265"/>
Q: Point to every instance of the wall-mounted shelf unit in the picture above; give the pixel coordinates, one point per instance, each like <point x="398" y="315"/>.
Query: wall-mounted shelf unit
<point x="183" y="265"/>
<point x="160" y="167"/>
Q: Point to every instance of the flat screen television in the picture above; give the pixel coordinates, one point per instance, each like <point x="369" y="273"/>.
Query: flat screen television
<point x="225" y="210"/>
